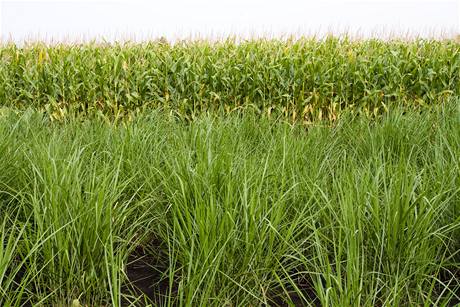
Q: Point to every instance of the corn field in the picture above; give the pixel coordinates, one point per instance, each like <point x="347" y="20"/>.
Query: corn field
<point x="301" y="79"/>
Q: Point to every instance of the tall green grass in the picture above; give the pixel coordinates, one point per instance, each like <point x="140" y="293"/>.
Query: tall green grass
<point x="237" y="211"/>
<point x="302" y="79"/>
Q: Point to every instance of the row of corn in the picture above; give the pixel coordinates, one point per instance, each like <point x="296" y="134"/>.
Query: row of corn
<point x="303" y="79"/>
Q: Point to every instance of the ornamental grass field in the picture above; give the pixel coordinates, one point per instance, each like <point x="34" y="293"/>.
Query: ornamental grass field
<point x="263" y="173"/>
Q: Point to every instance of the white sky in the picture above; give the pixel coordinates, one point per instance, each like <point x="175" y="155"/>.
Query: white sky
<point x="138" y="20"/>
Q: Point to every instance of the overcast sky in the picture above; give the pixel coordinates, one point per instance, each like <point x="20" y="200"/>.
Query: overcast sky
<point x="137" y="20"/>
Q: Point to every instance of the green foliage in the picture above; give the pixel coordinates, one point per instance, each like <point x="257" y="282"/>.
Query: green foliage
<point x="303" y="79"/>
<point x="235" y="211"/>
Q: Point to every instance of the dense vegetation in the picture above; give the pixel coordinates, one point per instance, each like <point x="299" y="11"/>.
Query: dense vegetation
<point x="304" y="79"/>
<point x="239" y="211"/>
<point x="308" y="172"/>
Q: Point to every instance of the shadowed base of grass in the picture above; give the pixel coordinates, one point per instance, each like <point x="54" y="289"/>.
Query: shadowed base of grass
<point x="237" y="210"/>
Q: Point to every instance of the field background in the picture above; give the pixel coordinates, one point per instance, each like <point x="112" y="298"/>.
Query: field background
<point x="304" y="79"/>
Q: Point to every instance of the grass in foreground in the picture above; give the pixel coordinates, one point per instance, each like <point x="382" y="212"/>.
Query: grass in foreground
<point x="233" y="211"/>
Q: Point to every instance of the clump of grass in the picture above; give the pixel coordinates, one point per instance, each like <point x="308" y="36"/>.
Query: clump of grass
<point x="302" y="79"/>
<point x="232" y="211"/>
